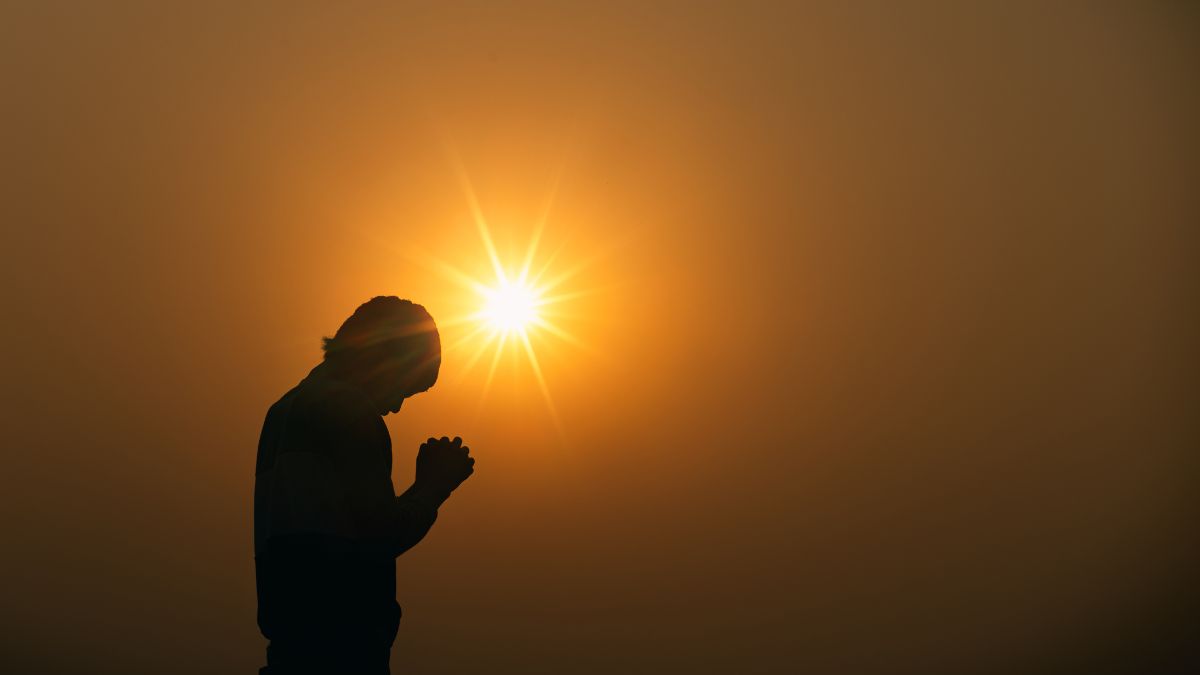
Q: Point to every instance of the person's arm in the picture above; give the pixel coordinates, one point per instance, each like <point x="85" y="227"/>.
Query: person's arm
<point x="386" y="523"/>
<point x="403" y="524"/>
<point x="355" y="438"/>
<point x="442" y="465"/>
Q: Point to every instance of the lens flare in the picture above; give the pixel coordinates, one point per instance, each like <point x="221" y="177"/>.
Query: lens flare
<point x="517" y="309"/>
<point x="510" y="306"/>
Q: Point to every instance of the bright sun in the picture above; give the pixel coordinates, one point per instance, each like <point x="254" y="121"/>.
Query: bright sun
<point x="518" y="307"/>
<point x="510" y="306"/>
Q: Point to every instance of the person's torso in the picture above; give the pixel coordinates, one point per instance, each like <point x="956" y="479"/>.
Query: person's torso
<point x="315" y="580"/>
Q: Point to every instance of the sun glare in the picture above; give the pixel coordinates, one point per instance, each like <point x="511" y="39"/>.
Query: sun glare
<point x="515" y="308"/>
<point x="510" y="306"/>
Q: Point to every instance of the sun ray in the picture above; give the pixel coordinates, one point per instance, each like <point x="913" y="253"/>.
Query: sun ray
<point x="464" y="339"/>
<point x="535" y="281"/>
<point x="531" y="250"/>
<point x="458" y="320"/>
<point x="470" y="365"/>
<point x="516" y="305"/>
<point x="445" y="269"/>
<point x="541" y="380"/>
<point x="549" y="312"/>
<point x="477" y="215"/>
<point x="487" y="383"/>
<point x="570" y="272"/>
<point x="561" y="334"/>
<point x="545" y="300"/>
<point x="540" y="226"/>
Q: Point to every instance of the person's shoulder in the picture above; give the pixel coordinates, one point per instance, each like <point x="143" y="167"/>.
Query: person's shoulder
<point x="334" y="400"/>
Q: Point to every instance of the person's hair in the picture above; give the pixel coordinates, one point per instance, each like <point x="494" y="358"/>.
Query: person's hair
<point x="403" y="325"/>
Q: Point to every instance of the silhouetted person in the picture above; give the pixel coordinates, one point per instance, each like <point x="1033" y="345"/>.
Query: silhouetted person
<point x="327" y="522"/>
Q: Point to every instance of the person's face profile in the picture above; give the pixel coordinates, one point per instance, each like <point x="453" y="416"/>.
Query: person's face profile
<point x="404" y="371"/>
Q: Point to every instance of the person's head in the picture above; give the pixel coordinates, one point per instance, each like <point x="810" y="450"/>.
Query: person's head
<point x="389" y="347"/>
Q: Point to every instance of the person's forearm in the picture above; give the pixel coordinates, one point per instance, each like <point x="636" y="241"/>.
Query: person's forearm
<point x="429" y="496"/>
<point x="415" y="512"/>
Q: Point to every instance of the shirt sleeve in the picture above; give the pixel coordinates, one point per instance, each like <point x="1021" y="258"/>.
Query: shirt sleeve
<point x="379" y="521"/>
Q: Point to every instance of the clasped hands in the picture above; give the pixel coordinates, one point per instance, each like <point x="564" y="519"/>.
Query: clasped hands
<point x="443" y="464"/>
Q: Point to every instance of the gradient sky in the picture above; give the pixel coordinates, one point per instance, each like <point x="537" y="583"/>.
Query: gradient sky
<point x="888" y="358"/>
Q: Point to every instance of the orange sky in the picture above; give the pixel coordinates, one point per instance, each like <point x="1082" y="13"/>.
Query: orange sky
<point x="888" y="358"/>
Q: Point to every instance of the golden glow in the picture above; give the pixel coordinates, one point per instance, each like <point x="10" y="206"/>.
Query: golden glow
<point x="510" y="306"/>
<point x="515" y="308"/>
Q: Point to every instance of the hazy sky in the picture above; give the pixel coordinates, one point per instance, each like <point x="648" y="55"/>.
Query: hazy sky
<point x="887" y="325"/>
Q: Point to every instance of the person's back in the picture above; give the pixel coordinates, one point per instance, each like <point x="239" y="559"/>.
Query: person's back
<point x="328" y="524"/>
